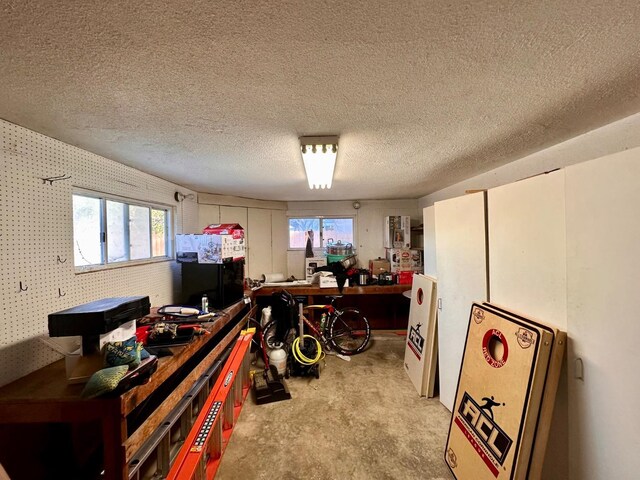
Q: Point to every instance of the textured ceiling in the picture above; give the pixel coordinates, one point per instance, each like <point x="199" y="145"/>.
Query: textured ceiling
<point x="213" y="95"/>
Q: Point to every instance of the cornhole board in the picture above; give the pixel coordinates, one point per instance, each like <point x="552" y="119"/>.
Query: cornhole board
<point x="497" y="409"/>
<point x="548" y="397"/>
<point x="420" y="355"/>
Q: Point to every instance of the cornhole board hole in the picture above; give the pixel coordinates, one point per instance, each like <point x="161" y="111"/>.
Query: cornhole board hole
<point x="421" y="353"/>
<point x="500" y="403"/>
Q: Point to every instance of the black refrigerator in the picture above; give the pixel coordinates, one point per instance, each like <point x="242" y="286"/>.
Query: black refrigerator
<point x="222" y="283"/>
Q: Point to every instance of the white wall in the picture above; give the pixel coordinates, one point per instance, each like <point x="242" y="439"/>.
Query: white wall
<point x="369" y="223"/>
<point x="612" y="138"/>
<point x="603" y="267"/>
<point x="36" y="240"/>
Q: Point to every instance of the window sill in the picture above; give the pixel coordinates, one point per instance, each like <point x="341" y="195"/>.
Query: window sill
<point x="112" y="266"/>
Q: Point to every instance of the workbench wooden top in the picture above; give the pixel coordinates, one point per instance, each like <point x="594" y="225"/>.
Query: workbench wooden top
<point x="315" y="290"/>
<point x="47" y="388"/>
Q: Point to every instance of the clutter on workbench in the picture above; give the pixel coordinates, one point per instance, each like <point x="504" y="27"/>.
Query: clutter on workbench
<point x="98" y="322"/>
<point x="122" y="359"/>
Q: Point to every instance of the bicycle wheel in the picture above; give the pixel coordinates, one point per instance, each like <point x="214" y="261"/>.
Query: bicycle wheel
<point x="274" y="339"/>
<point x="349" y="331"/>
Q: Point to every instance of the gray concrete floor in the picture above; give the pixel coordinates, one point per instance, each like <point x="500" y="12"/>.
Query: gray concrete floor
<point x="361" y="420"/>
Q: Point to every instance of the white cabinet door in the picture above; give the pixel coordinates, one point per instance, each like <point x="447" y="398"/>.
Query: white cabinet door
<point x="603" y="267"/>
<point x="207" y="215"/>
<point x="259" y="228"/>
<point x="462" y="279"/>
<point x="528" y="274"/>
<point x="279" y="241"/>
<point x="234" y="215"/>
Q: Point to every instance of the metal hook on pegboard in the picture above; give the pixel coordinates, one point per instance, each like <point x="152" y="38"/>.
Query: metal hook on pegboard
<point x="57" y="178"/>
<point x="60" y="294"/>
<point x="59" y="260"/>
<point x="23" y="288"/>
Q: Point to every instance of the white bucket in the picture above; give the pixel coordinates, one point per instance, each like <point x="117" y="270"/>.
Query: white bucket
<point x="278" y="358"/>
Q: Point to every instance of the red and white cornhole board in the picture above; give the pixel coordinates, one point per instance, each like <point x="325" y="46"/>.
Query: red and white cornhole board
<point x="507" y="361"/>
<point x="420" y="355"/>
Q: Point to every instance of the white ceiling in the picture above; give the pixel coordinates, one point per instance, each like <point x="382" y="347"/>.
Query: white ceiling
<point x="213" y="95"/>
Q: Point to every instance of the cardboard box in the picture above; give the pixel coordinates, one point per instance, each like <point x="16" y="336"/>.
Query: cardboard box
<point x="310" y="264"/>
<point x="405" y="259"/>
<point x="79" y="367"/>
<point x="379" y="265"/>
<point x="218" y="244"/>
<point x="328" y="282"/>
<point x="397" y="232"/>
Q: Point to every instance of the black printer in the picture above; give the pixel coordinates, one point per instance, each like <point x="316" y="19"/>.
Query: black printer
<point x="93" y="319"/>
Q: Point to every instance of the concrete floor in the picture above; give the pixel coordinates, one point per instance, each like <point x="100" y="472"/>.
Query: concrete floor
<point x="361" y="420"/>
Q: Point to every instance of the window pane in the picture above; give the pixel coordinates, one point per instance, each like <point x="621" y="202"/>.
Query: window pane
<point x="87" y="245"/>
<point x="139" y="232"/>
<point x="158" y="232"/>
<point x="337" y="229"/>
<point x="117" y="243"/>
<point x="298" y="228"/>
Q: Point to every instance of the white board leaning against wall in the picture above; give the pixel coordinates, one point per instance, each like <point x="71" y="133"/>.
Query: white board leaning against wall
<point x="429" y="228"/>
<point x="527" y="268"/>
<point x="462" y="279"/>
<point x="421" y="354"/>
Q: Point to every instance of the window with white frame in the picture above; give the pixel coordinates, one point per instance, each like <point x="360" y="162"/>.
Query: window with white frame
<point x="108" y="230"/>
<point x="324" y="230"/>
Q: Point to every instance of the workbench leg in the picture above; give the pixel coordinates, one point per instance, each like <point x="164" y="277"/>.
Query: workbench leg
<point x="114" y="434"/>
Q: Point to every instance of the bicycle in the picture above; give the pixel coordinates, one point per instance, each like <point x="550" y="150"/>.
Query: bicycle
<point x="344" y="330"/>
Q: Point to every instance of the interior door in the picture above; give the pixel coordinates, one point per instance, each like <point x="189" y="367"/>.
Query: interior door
<point x="462" y="279"/>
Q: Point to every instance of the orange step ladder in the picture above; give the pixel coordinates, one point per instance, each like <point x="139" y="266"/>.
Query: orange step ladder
<point x="200" y="456"/>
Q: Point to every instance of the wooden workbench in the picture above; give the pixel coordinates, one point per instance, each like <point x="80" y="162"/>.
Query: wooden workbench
<point x="384" y="305"/>
<point x="45" y="397"/>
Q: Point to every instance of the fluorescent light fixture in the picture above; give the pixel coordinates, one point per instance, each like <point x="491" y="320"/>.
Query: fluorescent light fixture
<point x="319" y="157"/>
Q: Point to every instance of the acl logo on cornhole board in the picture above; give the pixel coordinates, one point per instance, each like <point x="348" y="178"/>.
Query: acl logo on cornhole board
<point x="476" y="421"/>
<point x="416" y="340"/>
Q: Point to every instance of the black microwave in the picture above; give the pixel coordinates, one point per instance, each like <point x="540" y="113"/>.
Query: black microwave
<point x="222" y="283"/>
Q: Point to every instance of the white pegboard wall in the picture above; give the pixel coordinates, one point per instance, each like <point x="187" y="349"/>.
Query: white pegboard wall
<point x="36" y="240"/>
